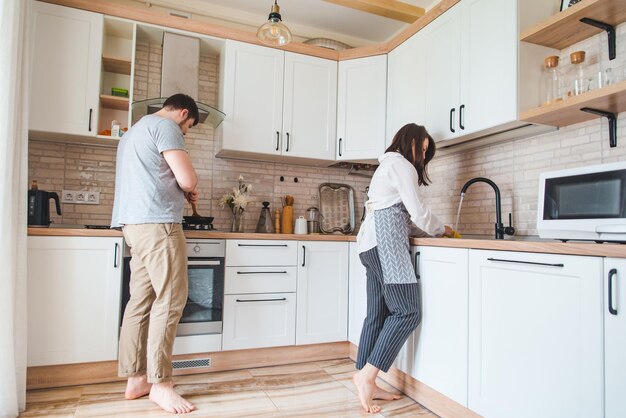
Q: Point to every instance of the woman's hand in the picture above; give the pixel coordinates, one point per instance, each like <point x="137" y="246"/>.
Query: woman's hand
<point x="448" y="232"/>
<point x="192" y="196"/>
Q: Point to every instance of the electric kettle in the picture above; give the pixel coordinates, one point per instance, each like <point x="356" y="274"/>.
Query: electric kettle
<point x="39" y="207"/>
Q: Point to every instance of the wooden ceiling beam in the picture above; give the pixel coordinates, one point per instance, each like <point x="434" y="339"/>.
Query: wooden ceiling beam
<point x="392" y="9"/>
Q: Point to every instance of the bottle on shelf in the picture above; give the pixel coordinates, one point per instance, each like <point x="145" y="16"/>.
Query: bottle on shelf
<point x="576" y="81"/>
<point x="551" y="81"/>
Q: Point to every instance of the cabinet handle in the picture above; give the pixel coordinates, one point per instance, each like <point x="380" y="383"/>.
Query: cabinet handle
<point x="287" y="149"/>
<point x="340" y="147"/>
<point x="452" y="119"/>
<point x="261" y="300"/>
<point x="527" y="262"/>
<point x="277" y="140"/>
<point x="303" y="255"/>
<point x="90" y="114"/>
<point x="416" y="264"/>
<point x="261" y="272"/>
<point x="262" y="245"/>
<point x="461" y="117"/>
<point x="612" y="273"/>
<point x="115" y="256"/>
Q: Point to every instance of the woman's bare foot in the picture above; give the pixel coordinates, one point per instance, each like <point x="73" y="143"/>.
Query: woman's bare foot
<point x="136" y="387"/>
<point x="366" y="387"/>
<point x="380" y="393"/>
<point x="164" y="395"/>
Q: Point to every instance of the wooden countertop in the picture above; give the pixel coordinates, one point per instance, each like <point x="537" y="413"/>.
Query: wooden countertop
<point x="526" y="244"/>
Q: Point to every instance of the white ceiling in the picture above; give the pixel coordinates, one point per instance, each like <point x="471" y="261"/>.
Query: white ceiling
<point x="305" y="18"/>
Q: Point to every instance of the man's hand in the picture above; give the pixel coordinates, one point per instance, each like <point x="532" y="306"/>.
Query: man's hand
<point x="192" y="196"/>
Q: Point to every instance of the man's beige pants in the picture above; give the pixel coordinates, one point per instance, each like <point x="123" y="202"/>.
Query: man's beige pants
<point x="158" y="293"/>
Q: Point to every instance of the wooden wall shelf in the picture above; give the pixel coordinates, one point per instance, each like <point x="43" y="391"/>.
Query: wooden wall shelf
<point x="116" y="65"/>
<point x="100" y="140"/>
<point x="567" y="112"/>
<point x="565" y="29"/>
<point x="114" y="102"/>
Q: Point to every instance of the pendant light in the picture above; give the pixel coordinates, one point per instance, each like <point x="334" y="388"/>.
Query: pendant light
<point x="274" y="32"/>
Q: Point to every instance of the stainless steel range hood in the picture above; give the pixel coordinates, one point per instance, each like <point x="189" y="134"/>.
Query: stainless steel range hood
<point x="179" y="74"/>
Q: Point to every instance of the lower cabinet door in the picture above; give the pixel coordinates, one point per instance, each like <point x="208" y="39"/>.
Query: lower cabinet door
<point x="615" y="337"/>
<point x="440" y="342"/>
<point x="259" y="320"/>
<point x="535" y="335"/>
<point x="357" y="296"/>
<point x="74" y="291"/>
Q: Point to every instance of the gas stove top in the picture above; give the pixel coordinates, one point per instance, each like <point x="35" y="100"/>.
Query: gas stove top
<point x="198" y="226"/>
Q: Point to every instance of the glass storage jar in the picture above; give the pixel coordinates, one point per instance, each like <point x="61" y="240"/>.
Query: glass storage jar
<point x="576" y="80"/>
<point x="550" y="87"/>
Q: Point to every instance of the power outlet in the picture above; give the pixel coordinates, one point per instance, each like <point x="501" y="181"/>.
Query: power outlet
<point x="80" y="197"/>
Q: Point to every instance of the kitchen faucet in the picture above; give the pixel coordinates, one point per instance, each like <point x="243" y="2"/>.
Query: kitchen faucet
<point x="500" y="228"/>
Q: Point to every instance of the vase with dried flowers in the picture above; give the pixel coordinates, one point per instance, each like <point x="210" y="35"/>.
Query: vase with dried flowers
<point x="237" y="200"/>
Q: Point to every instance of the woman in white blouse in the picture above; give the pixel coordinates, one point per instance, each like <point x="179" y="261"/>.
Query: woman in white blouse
<point x="394" y="212"/>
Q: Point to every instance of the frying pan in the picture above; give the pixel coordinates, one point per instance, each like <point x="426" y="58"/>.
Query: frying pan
<point x="195" y="218"/>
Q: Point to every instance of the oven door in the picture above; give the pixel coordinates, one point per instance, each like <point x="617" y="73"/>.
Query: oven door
<point x="205" y="300"/>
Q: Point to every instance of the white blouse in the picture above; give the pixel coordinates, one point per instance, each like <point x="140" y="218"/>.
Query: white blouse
<point x="395" y="181"/>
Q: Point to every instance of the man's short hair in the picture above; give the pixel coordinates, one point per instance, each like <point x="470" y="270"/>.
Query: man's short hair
<point x="183" y="101"/>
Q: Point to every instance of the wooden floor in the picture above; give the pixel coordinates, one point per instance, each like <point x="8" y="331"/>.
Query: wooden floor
<point x="315" y="389"/>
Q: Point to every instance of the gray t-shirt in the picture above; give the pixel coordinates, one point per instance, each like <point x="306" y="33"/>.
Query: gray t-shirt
<point x="146" y="190"/>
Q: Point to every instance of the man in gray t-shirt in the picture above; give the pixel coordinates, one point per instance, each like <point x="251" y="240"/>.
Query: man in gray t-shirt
<point x="153" y="177"/>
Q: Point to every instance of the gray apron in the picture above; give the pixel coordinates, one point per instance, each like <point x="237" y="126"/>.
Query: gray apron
<point x="393" y="227"/>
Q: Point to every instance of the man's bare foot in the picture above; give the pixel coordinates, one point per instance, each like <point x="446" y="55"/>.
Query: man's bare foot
<point x="380" y="393"/>
<point x="136" y="387"/>
<point x="164" y="395"/>
<point x="366" y="388"/>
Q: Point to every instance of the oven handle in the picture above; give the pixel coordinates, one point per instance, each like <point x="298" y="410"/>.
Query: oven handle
<point x="261" y="272"/>
<point x="262" y="245"/>
<point x="204" y="263"/>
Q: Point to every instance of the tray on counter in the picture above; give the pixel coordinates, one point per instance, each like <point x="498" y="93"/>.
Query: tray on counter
<point x="336" y="208"/>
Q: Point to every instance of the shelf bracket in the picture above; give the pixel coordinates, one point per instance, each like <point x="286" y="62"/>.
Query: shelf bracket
<point x="612" y="117"/>
<point x="610" y="30"/>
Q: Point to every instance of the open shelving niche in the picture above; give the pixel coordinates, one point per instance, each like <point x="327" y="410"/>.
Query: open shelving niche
<point x="118" y="56"/>
<point x="579" y="22"/>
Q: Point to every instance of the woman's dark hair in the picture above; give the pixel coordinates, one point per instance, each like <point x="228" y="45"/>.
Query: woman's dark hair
<point x="409" y="137"/>
<point x="182" y="101"/>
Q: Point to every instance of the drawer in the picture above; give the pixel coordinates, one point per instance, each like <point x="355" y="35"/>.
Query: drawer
<point x="260" y="280"/>
<point x="261" y="253"/>
<point x="261" y="320"/>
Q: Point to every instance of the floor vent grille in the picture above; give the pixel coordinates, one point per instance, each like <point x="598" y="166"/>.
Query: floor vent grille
<point x="192" y="364"/>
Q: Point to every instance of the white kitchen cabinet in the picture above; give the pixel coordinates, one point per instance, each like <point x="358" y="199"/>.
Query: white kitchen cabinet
<point x="535" y="335"/>
<point x="74" y="293"/>
<point x="259" y="294"/>
<point x="65" y="70"/>
<point x="615" y="337"/>
<point x="322" y="314"/>
<point x="362" y="97"/>
<point x="277" y="104"/>
<point x="406" y="85"/>
<point x="259" y="320"/>
<point x="478" y="75"/>
<point x="440" y="342"/>
<point x="357" y="295"/>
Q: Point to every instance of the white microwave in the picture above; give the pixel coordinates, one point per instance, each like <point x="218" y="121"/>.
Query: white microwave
<point x="584" y="203"/>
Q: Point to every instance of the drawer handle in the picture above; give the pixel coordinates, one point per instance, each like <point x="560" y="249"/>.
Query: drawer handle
<point x="261" y="272"/>
<point x="612" y="310"/>
<point x="527" y="262"/>
<point x="303" y="255"/>
<point x="261" y="300"/>
<point x="417" y="264"/>
<point x="262" y="245"/>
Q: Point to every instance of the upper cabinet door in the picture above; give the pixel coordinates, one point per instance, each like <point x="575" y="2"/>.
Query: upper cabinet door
<point x="252" y="97"/>
<point x="361" y="97"/>
<point x="65" y="75"/>
<point x="310" y="107"/>
<point x="489" y="47"/>
<point x="406" y="85"/>
<point x="442" y="59"/>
